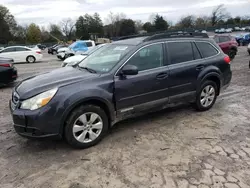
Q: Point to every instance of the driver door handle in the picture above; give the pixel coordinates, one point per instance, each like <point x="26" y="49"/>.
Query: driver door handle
<point x="162" y="76"/>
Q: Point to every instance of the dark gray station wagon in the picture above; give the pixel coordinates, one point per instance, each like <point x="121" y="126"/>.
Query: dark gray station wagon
<point x="117" y="81"/>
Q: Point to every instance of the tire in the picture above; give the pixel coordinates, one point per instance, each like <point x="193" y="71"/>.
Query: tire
<point x="79" y="120"/>
<point x="205" y="87"/>
<point x="232" y="54"/>
<point x="31" y="59"/>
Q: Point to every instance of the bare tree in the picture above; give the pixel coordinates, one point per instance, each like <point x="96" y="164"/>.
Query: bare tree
<point x="219" y="14"/>
<point x="202" y="22"/>
<point x="114" y="22"/>
<point x="186" y="22"/>
<point x="67" y="26"/>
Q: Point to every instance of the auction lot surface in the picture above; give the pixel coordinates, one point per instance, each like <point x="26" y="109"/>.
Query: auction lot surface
<point x="174" y="148"/>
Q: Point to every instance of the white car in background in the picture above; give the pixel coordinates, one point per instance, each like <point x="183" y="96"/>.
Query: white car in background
<point x="73" y="60"/>
<point x="21" y="54"/>
<point x="63" y="51"/>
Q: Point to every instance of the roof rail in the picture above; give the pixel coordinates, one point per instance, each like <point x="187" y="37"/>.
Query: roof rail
<point x="176" y="35"/>
<point x="132" y="36"/>
<point x="164" y="34"/>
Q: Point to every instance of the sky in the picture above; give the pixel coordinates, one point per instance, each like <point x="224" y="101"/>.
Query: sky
<point x="52" y="11"/>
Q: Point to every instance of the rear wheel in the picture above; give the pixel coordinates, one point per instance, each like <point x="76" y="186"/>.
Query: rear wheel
<point x="232" y="54"/>
<point x="86" y="126"/>
<point x="30" y="59"/>
<point x="206" y="96"/>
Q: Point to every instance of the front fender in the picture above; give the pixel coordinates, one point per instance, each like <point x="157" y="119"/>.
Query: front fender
<point x="82" y="96"/>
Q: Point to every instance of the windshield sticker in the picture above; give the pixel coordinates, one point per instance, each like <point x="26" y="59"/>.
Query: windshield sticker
<point x="120" y="48"/>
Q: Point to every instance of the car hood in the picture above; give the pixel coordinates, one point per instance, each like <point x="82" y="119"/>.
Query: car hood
<point x="64" y="49"/>
<point x="56" y="78"/>
<point x="75" y="58"/>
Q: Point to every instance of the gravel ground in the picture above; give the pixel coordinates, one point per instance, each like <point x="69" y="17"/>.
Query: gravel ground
<point x="174" y="148"/>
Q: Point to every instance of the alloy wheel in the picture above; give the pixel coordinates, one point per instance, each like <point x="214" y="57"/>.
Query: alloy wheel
<point x="207" y="96"/>
<point x="87" y="127"/>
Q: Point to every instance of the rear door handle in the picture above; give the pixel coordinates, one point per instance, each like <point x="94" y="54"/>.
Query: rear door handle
<point x="162" y="76"/>
<point x="199" y="67"/>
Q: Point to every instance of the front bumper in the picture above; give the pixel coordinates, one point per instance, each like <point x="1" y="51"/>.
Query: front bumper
<point x="41" y="123"/>
<point x="61" y="55"/>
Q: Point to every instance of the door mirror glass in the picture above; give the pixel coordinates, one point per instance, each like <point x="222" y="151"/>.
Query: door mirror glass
<point x="130" y="70"/>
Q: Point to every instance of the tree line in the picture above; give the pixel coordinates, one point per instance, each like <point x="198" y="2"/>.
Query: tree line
<point x="87" y="26"/>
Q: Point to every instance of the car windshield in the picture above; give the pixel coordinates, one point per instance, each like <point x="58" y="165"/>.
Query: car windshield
<point x="90" y="51"/>
<point x="106" y="58"/>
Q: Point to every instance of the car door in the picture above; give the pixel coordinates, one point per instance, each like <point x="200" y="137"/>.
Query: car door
<point x="8" y="53"/>
<point x="21" y="54"/>
<point x="149" y="85"/>
<point x="185" y="64"/>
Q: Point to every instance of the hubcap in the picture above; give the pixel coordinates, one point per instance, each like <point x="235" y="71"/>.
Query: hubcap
<point x="207" y="96"/>
<point x="87" y="127"/>
<point x="30" y="59"/>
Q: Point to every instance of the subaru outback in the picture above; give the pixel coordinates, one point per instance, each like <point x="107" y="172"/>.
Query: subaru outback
<point x="124" y="78"/>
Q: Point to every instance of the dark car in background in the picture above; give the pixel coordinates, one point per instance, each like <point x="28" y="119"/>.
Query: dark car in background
<point x="243" y="39"/>
<point x="8" y="73"/>
<point x="228" y="44"/>
<point x="124" y="78"/>
<point x="41" y="46"/>
<point x="53" y="49"/>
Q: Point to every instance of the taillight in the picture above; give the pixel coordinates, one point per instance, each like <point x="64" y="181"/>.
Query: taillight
<point x="5" y="65"/>
<point x="38" y="52"/>
<point x="227" y="59"/>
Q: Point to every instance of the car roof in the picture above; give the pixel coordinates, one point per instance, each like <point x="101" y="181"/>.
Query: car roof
<point x="16" y="47"/>
<point x="159" y="37"/>
<point x="131" y="41"/>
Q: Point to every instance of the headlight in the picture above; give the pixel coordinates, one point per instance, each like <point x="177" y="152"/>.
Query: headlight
<point x="38" y="101"/>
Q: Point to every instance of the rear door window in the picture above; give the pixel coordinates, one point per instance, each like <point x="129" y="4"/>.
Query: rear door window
<point x="20" y="49"/>
<point x="206" y="49"/>
<point x="197" y="54"/>
<point x="224" y="39"/>
<point x="180" y="52"/>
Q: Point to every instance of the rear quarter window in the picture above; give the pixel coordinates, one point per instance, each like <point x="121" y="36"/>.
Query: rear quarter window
<point x="89" y="44"/>
<point x="206" y="49"/>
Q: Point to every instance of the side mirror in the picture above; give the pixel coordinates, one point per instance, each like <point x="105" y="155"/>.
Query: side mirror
<point x="129" y="70"/>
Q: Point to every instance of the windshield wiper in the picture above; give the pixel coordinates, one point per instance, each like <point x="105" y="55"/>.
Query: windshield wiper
<point x="87" y="68"/>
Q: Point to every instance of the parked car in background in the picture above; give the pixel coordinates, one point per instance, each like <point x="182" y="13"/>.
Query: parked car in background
<point x="8" y="72"/>
<point x="75" y="59"/>
<point x="228" y="44"/>
<point x="237" y="29"/>
<point x="229" y="30"/>
<point x="53" y="50"/>
<point x="243" y="39"/>
<point x="121" y="79"/>
<point x="21" y="54"/>
<point x="42" y="47"/>
<point x="248" y="48"/>
<point x="77" y="47"/>
<point x="222" y="30"/>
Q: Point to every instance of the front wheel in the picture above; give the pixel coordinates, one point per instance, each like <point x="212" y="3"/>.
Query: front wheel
<point x="86" y="126"/>
<point x="206" y="96"/>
